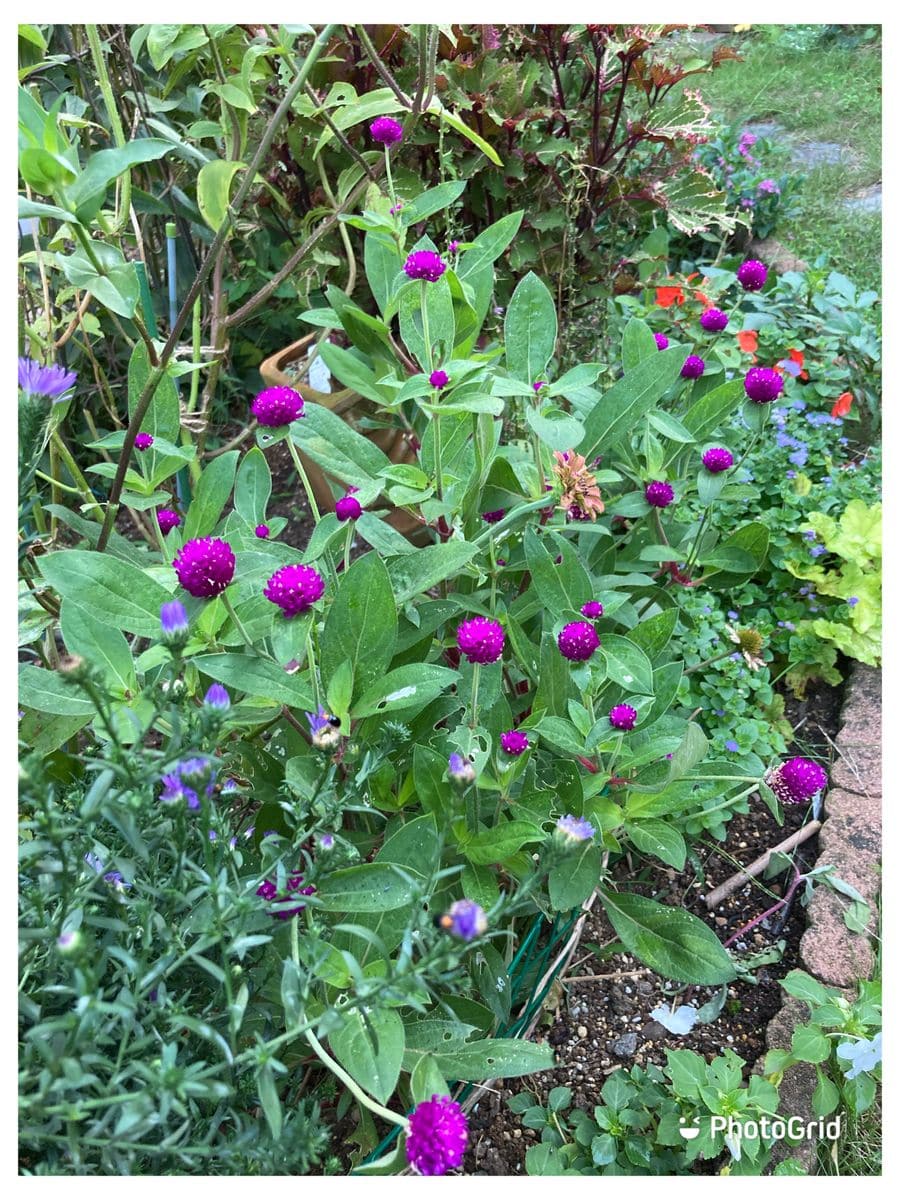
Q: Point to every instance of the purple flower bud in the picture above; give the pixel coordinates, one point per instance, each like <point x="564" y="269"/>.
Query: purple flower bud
<point x="294" y="589"/>
<point x="662" y="342"/>
<point x="732" y="746"/>
<point x="437" y="1136"/>
<point x="465" y="919"/>
<point x="494" y="516"/>
<point x="717" y="459"/>
<point x="714" y="320"/>
<point x="538" y="384"/>
<point x="852" y="601"/>
<point x="168" y="519"/>
<point x="693" y="368"/>
<point x="277" y="406"/>
<point x="348" y="508"/>
<point x="438" y="379"/>
<point x="573" y="830"/>
<point x="174" y="622"/>
<point x="593" y="609"/>
<point x="752" y="275"/>
<point x="481" y="640"/>
<point x="261" y="531"/>
<point x="217" y="698"/>
<point x="143" y="441"/>
<point x="453" y="247"/>
<point x="659" y="493"/>
<point x="577" y="641"/>
<point x="326" y="841"/>
<point x="51" y="381"/>
<point x="395" y="208"/>
<point x="269" y="891"/>
<point x="460" y="769"/>
<point x="425" y="264"/>
<point x="514" y="742"/>
<point x="386" y="131"/>
<point x="763" y="385"/>
<point x="623" y="716"/>
<point x="204" y="566"/>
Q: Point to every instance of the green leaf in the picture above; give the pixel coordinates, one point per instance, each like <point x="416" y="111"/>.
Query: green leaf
<point x="561" y="587"/>
<point x="382" y="261"/>
<point x="269" y="1100"/>
<point x="654" y="634"/>
<point x="826" y="1097"/>
<point x="256" y="677"/>
<point x="709" y="413"/>
<point x="211" y="495"/>
<point x="336" y="446"/>
<point x="371" y="887"/>
<point x="414" y="685"/>
<point x="660" y="839"/>
<point x="350" y="371"/>
<point x="687" y="1071"/>
<point x="572" y="881"/>
<point x="47" y="692"/>
<point x="530" y="329"/>
<point x="556" y="429"/>
<point x="416" y="847"/>
<point x="361" y="626"/>
<point x="110" y="589"/>
<point x="33" y="208"/>
<point x="672" y="942"/>
<point x="253" y="487"/>
<point x="805" y="987"/>
<point x="497" y="844"/>
<point x="627" y="664"/>
<point x="433" y="789"/>
<point x="416" y="573"/>
<point x="709" y="485"/>
<point x="371" y="1048"/>
<point x="99" y="644"/>
<point x="494" y="1058"/>
<point x="425" y="1081"/>
<point x="753" y="539"/>
<point x="638" y="343"/>
<point x="115" y="285"/>
<point x="85" y="196"/>
<point x="441" y="322"/>
<point x="488" y="246"/>
<point x="431" y="201"/>
<point x="214" y="190"/>
<point x="461" y="127"/>
<point x="629" y="399"/>
<point x="810" y="1044"/>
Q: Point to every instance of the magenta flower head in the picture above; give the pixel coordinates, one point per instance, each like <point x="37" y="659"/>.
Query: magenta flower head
<point x="277" y="406"/>
<point x="465" y="919"/>
<point x="752" y="274"/>
<point x="763" y="385"/>
<point x="797" y="780"/>
<point x="168" y="519"/>
<point x="425" y="264"/>
<point x="514" y="742"/>
<point x="437" y="1136"/>
<point x="269" y="891"/>
<point x="572" y="830"/>
<point x="714" y="320"/>
<point x="438" y="379"/>
<point x="662" y="342"/>
<point x="593" y="609"/>
<point x="481" y="640"/>
<point x="348" y="508"/>
<point x="453" y="247"/>
<point x="623" y="716"/>
<point x="386" y="131"/>
<point x="717" y="459"/>
<point x="143" y="441"/>
<point x="174" y="622"/>
<point x="261" y="531"/>
<point x="294" y="589"/>
<point x="495" y="515"/>
<point x="205" y="567"/>
<point x="659" y="493"/>
<point x="577" y="641"/>
<point x="538" y="384"/>
<point x="693" y="368"/>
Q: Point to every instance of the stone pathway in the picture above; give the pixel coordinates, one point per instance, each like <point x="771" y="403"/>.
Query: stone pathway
<point x="810" y="155"/>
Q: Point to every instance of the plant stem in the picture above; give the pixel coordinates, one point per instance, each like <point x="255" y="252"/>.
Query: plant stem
<point x="304" y="479"/>
<point x="229" y="608"/>
<point x="476" y="679"/>
<point x="348" y="542"/>
<point x="352" y="1086"/>
<point x="162" y="541"/>
<point x="84" y="488"/>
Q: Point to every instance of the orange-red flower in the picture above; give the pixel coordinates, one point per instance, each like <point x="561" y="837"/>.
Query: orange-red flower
<point x="842" y="404"/>
<point x="667" y="296"/>
<point x="797" y="357"/>
<point x="748" y="340"/>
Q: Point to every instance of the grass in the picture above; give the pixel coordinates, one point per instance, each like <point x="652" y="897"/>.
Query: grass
<point x="818" y="90"/>
<point x="858" y="1152"/>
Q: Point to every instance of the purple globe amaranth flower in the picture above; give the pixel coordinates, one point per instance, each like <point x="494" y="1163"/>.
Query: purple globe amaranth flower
<point x="437" y="1136"/>
<point x="174" y="622"/>
<point x="294" y="588"/>
<point x="277" y="406"/>
<point x="268" y="890"/>
<point x="659" y="493"/>
<point x="464" y="919"/>
<point x="481" y="640"/>
<point x="217" y="698"/>
<point x="261" y="531"/>
<point x="438" y="379"/>
<point x="623" y="716"/>
<point x="494" y="516"/>
<point x="571" y="830"/>
<point x="763" y="385"/>
<point x="717" y="459"/>
<point x="205" y="567"/>
<point x="453" y="247"/>
<point x="514" y="742"/>
<point x="797" y="780"/>
<point x="168" y="519"/>
<point x="752" y="274"/>
<point x="425" y="264"/>
<point x="461" y="769"/>
<point x="662" y="342"/>
<point x="386" y="130"/>
<point x="577" y="641"/>
<point x="538" y="384"/>
<point x="714" y="320"/>
<point x="50" y="381"/>
<point x="593" y="609"/>
<point x="143" y="441"/>
<point x="693" y="367"/>
<point x="348" y="508"/>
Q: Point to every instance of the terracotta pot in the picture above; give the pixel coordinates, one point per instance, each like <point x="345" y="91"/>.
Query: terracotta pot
<point x="348" y="405"/>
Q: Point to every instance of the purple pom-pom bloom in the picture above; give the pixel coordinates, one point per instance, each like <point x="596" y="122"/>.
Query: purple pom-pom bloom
<point x="174" y="621"/>
<point x="294" y="589"/>
<point x="693" y="368"/>
<point x="437" y="1136"/>
<point x="514" y="742"/>
<point x="593" y="609"/>
<point x="205" y="567"/>
<point x="277" y="406"/>
<point x="386" y="131"/>
<point x="261" y="531"/>
<point x="752" y="275"/>
<point x="797" y="780"/>
<point x="438" y="379"/>
<point x="762" y="385"/>
<point x="717" y="459"/>
<point x="623" y="716"/>
<point x="662" y="342"/>
<point x="143" y="441"/>
<point x="50" y="382"/>
<point x="425" y="264"/>
<point x="577" y="641"/>
<point x="659" y="493"/>
<point x="217" y="698"/>
<point x="348" y="508"/>
<point x="465" y="920"/>
<point x="481" y="640"/>
<point x="494" y="515"/>
<point x="168" y="519"/>
<point x="714" y="320"/>
<point x="574" y="829"/>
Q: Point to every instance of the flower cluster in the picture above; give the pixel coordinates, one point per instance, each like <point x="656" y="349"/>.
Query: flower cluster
<point x="693" y="367"/>
<point x="623" y="716"/>
<point x="386" y="130"/>
<point x="269" y="891"/>
<point x="187" y="780"/>
<point x="514" y="742"/>
<point x="717" y="459"/>
<point x="425" y="264"/>
<point x="797" y="780"/>
<point x="437" y="1136"/>
<point x="277" y="406"/>
<point x="577" y="641"/>
<point x="51" y="382"/>
<point x="659" y="494"/>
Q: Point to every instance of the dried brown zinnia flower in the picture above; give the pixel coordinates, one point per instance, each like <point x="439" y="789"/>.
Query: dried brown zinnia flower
<point x="579" y="487"/>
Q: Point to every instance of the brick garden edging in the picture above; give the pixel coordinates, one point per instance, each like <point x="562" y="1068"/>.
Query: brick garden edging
<point x="850" y="841"/>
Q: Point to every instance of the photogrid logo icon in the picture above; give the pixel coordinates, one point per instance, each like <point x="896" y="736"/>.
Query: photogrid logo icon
<point x="689" y="1128"/>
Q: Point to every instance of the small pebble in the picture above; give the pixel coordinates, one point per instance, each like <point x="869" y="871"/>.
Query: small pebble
<point x="582" y="1031"/>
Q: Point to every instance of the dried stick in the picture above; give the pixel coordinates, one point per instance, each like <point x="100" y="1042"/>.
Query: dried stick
<point x="756" y="868"/>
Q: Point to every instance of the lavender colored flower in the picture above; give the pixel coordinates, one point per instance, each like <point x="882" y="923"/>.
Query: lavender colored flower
<point x="693" y="367"/>
<point x="593" y="609"/>
<point x="204" y="566"/>
<point x="348" y="508"/>
<point x="68" y="941"/>
<point x="277" y="406"/>
<point x="571" y="830"/>
<point x="438" y="379"/>
<point x="732" y="746"/>
<point x="659" y="493"/>
<point x="295" y="588"/>
<point x="763" y="385"/>
<point x="185" y="782"/>
<point x="662" y="342"/>
<point x="714" y="320"/>
<point x="425" y="264"/>
<point x="168" y="519"/>
<point x="453" y="247"/>
<point x="464" y="919"/>
<point x="861" y="1054"/>
<point x="437" y="1136"/>
<point x="460" y="769"/>
<point x="386" y="130"/>
<point x="852" y="601"/>
<point x="514" y="742"/>
<point x="326" y="841"/>
<point x="51" y="381"/>
<point x="261" y="531"/>
<point x="732" y="615"/>
<point x="324" y="733"/>
<point x="768" y="187"/>
<point x="268" y="890"/>
<point x="481" y="640"/>
<point x="143" y="441"/>
<point x="790" y="474"/>
<point x="174" y="622"/>
<point x="494" y="516"/>
<point x="623" y="716"/>
<point x="797" y="780"/>
<point x="217" y="698"/>
<point x="577" y="641"/>
<point x="817" y="551"/>
<point x="752" y="275"/>
<point x="717" y="459"/>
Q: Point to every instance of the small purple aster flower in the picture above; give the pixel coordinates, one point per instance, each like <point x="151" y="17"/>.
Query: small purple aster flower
<point x="593" y="609"/>
<point x="277" y="406"/>
<point x="425" y="264"/>
<point x="732" y="746"/>
<point x="514" y="742"/>
<point x="763" y="385"/>
<point x="732" y="615"/>
<point x="438" y="379"/>
<point x="386" y="130"/>
<point x="68" y="941"/>
<point x="659" y="493"/>
<point x="623" y="716"/>
<point x="143" y="441"/>
<point x="174" y="622"/>
<point x="465" y="919"/>
<point x="693" y="368"/>
<point x="571" y="830"/>
<point x="269" y="891"/>
<point x="51" y="382"/>
<point x="437" y="1136"/>
<point x="326" y="841"/>
<point x="204" y="566"/>
<point x="752" y="274"/>
<point x="494" y="516"/>
<point x="261" y="531"/>
<point x="481" y="640"/>
<point x="460" y="769"/>
<point x="797" y="780"/>
<point x="348" y="508"/>
<point x="168" y="519"/>
<point x="662" y="342"/>
<point x="809" y="535"/>
<point x="294" y="588"/>
<point x="717" y="459"/>
<point x="714" y="320"/>
<point x="817" y="551"/>
<point x="217" y="698"/>
<point x="577" y="641"/>
<point x="852" y="601"/>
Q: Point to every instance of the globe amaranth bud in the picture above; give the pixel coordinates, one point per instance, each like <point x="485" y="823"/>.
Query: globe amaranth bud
<point x="659" y="493"/>
<point x="261" y="531"/>
<point x="693" y="367"/>
<point x="205" y="567"/>
<point x="514" y="742"/>
<point x="348" y="508"/>
<point x="662" y="342"/>
<point x="797" y="780"/>
<point x="425" y="264"/>
<point x="481" y="639"/>
<point x="714" y="320"/>
<point x="752" y="275"/>
<point x="577" y="641"/>
<point x="277" y="406"/>
<point x="592" y="610"/>
<point x="294" y="588"/>
<point x="717" y="459"/>
<point x="168" y="519"/>
<point x="386" y="130"/>
<point x="623" y="716"/>
<point x="143" y="441"/>
<point x="439" y="379"/>
<point x="763" y="385"/>
<point x="437" y="1136"/>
